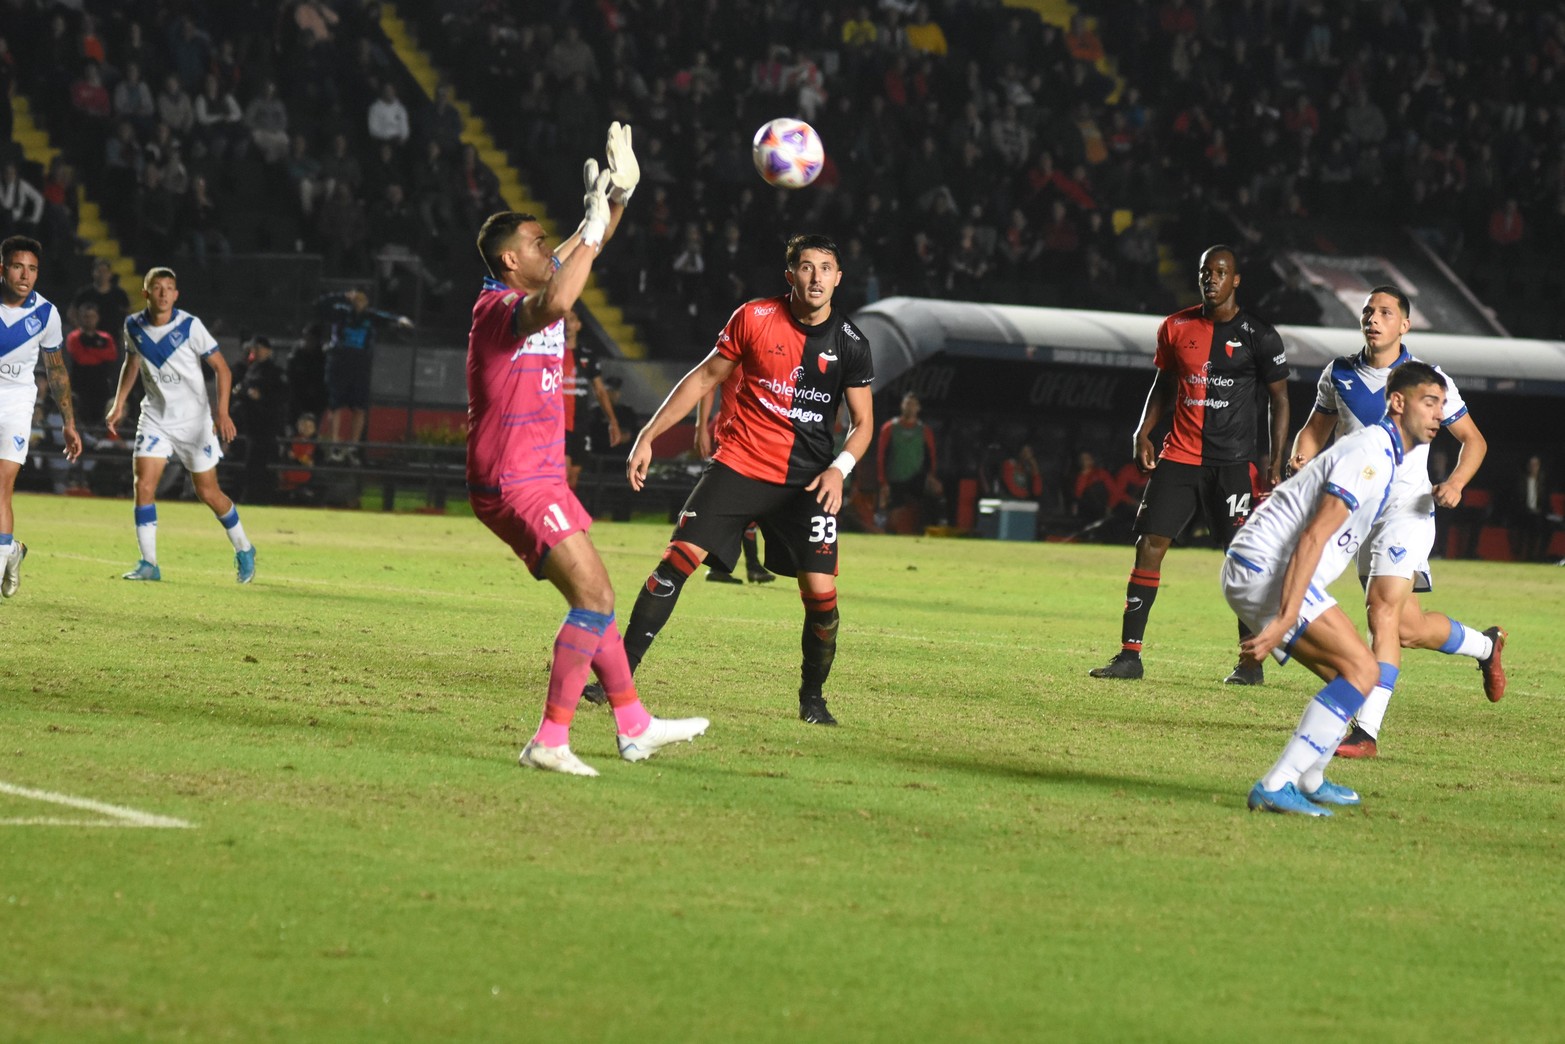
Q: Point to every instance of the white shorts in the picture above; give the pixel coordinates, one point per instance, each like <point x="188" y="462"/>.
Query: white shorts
<point x="194" y="442"/>
<point x="1400" y="543"/>
<point x="16" y="433"/>
<point x="1254" y="594"/>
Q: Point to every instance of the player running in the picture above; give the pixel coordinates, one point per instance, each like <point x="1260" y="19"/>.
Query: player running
<point x="516" y="456"/>
<point x="786" y="364"/>
<point x="28" y="322"/>
<point x="1211" y="360"/>
<point x="164" y="348"/>
<point x="1279" y="567"/>
<point x="1394" y="561"/>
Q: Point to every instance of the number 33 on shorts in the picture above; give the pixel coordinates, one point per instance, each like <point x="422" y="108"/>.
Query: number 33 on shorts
<point x="823" y="529"/>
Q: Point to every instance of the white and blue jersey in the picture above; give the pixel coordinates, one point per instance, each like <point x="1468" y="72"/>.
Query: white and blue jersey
<point x="1359" y="470"/>
<point x="1355" y="393"/>
<point x="32" y="326"/>
<point x="170" y="359"/>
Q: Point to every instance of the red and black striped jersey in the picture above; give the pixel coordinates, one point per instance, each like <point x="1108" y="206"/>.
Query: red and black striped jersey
<point x="780" y="404"/>
<point x="1218" y="369"/>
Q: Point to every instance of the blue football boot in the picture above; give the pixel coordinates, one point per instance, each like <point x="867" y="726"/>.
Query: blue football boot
<point x="1286" y="799"/>
<point x="1330" y="793"/>
<point x="245" y="561"/>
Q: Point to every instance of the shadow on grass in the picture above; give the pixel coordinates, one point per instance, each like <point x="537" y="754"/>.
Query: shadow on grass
<point x="992" y="769"/>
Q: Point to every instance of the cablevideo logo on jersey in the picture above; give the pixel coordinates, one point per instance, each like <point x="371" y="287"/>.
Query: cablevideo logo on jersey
<point x="793" y="391"/>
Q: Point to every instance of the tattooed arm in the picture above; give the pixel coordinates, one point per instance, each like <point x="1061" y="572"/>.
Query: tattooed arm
<point x="60" y="388"/>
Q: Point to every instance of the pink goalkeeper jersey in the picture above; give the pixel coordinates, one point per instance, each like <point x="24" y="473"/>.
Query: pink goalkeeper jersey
<point x="515" y="400"/>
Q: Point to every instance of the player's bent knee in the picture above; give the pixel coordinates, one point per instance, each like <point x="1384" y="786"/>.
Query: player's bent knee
<point x="1361" y="671"/>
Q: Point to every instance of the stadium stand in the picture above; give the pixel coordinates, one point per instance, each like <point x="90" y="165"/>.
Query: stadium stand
<point x="1032" y="153"/>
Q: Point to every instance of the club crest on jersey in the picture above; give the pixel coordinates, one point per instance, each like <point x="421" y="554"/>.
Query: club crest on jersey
<point x="1397" y="553"/>
<point x="176" y="338"/>
<point x="33" y="325"/>
<point x="823" y="360"/>
<point x="1231" y="345"/>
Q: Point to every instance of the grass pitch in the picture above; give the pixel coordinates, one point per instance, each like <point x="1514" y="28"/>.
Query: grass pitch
<point x="991" y="847"/>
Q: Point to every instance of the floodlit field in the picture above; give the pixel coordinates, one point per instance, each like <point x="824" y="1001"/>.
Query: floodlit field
<point x="991" y="847"/>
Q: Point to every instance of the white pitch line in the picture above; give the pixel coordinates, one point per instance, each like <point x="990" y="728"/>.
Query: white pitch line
<point x="120" y="815"/>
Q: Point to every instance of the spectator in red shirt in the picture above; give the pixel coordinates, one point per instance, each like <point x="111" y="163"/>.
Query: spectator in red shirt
<point x="1093" y="490"/>
<point x="1021" y="476"/>
<point x="94" y="361"/>
<point x="88" y="95"/>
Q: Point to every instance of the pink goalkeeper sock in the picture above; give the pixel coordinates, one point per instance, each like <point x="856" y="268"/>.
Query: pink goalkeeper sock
<point x="574" y="646"/>
<point x="611" y="667"/>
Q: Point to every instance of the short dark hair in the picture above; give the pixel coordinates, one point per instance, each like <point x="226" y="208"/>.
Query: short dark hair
<point x="13" y="244"/>
<point x="1413" y="373"/>
<point x="810" y="241"/>
<point x="1221" y="248"/>
<point x="1396" y="292"/>
<point x="498" y="229"/>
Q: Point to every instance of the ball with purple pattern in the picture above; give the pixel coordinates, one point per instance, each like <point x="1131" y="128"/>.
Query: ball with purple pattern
<point x="788" y="153"/>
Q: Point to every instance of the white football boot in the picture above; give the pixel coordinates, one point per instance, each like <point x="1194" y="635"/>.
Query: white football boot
<point x="554" y="759"/>
<point x="660" y="732"/>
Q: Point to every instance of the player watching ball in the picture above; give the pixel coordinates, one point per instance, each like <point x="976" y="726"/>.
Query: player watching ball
<point x="516" y="456"/>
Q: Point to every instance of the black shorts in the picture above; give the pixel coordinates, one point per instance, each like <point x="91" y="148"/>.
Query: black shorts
<point x="576" y="445"/>
<point x="348" y="379"/>
<point x="1175" y="492"/>
<point x="801" y="536"/>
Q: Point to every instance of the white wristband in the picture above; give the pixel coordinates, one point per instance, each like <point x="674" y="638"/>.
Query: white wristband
<point x="844" y="463"/>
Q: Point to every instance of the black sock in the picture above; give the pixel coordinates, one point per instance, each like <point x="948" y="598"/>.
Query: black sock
<point x="1140" y="593"/>
<point x="819" y="643"/>
<point x="654" y="605"/>
<point x="752" y="557"/>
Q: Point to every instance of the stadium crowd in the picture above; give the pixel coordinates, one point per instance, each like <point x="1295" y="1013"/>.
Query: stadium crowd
<point x="974" y="150"/>
<point x="977" y="152"/>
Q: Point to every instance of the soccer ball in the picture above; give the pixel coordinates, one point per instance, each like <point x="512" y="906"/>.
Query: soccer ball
<point x="788" y="153"/>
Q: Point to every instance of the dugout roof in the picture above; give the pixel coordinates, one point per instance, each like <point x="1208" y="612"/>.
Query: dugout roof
<point x="904" y="331"/>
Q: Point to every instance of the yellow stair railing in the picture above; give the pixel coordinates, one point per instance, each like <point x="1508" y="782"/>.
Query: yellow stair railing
<point x="512" y="189"/>
<point x="37" y="147"/>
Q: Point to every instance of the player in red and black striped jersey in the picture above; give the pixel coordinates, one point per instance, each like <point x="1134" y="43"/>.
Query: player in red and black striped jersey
<point x="1212" y="361"/>
<point x="786" y="365"/>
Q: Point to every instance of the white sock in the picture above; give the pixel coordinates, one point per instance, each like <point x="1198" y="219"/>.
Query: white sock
<point x="1315" y="775"/>
<point x="1320" y="730"/>
<point x="147" y="542"/>
<point x="234" y="529"/>
<point x="1373" y="712"/>
<point x="1475" y="644"/>
<point x="236" y="536"/>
